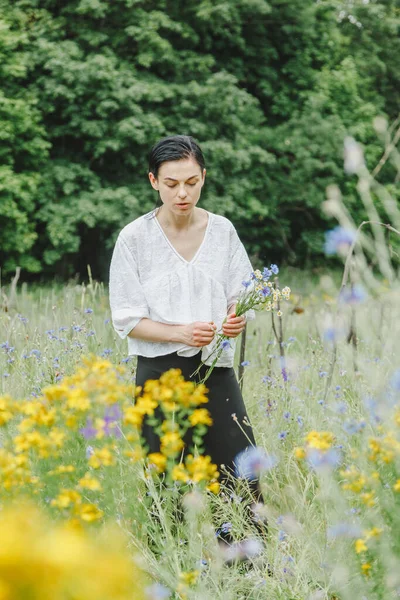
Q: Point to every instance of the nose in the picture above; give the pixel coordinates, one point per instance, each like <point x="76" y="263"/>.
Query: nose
<point x="182" y="192"/>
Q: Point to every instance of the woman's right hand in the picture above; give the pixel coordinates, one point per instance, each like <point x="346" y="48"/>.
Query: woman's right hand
<point x="199" y="333"/>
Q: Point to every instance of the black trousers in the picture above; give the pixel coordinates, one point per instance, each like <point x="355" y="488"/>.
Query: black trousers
<point x="224" y="439"/>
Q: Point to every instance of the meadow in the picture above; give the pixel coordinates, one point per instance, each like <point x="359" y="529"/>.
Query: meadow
<point x="330" y="496"/>
<point x="85" y="514"/>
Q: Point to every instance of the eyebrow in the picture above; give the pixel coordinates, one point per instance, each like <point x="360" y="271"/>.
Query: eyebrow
<point x="172" y="179"/>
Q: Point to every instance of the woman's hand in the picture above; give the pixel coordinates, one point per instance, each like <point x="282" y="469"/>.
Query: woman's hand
<point x="198" y="334"/>
<point x="233" y="325"/>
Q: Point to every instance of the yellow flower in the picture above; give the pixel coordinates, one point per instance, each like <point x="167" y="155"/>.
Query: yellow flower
<point x="89" y="483"/>
<point x="89" y="512"/>
<point x="189" y="577"/>
<point x="78" y="400"/>
<point x="136" y="454"/>
<point x="374" y="532"/>
<point x="368" y="498"/>
<point x="396" y="486"/>
<point x="158" y="460"/>
<point x="132" y="416"/>
<point x="299" y="453"/>
<point x="200" y="468"/>
<point x="366" y="567"/>
<point x="322" y="440"/>
<point x="61" y="469"/>
<point x="5" y="412"/>
<point x="171" y="443"/>
<point x="179" y="473"/>
<point x="200" y="416"/>
<point x="66" y="498"/>
<point x="145" y="405"/>
<point x="101" y="457"/>
<point x="214" y="487"/>
<point x="360" y="546"/>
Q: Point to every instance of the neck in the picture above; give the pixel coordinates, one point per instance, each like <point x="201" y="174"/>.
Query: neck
<point x="168" y="218"/>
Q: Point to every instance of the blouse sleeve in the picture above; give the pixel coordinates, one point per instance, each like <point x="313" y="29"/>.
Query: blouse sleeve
<point x="240" y="270"/>
<point x="127" y="299"/>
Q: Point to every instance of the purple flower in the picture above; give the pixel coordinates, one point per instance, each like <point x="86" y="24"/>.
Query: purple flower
<point x="354" y="295"/>
<point x="245" y="363"/>
<point x="88" y="311"/>
<point x="395" y="381"/>
<point x="338" y="240"/>
<point x="283" y="435"/>
<point x="246" y="284"/>
<point x="89" y="431"/>
<point x="266" y="273"/>
<point x="226" y="344"/>
<point x="266" y="291"/>
<point x="253" y="461"/>
<point x="323" y="460"/>
<point x="346" y="530"/>
<point x="106" y="352"/>
<point x="274" y="269"/>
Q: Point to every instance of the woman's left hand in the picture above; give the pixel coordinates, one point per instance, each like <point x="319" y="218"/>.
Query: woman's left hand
<point x="233" y="325"/>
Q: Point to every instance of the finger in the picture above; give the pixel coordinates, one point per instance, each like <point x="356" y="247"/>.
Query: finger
<point x="235" y="320"/>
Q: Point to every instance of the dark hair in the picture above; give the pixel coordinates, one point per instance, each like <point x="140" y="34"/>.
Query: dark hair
<point x="174" y="147"/>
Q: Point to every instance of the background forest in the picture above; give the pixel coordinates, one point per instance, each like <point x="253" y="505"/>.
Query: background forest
<point x="269" y="89"/>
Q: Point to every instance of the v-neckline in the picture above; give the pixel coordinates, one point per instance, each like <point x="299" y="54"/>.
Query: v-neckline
<point x="188" y="262"/>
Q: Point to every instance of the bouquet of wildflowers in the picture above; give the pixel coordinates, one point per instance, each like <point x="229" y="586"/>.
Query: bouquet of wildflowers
<point x="258" y="293"/>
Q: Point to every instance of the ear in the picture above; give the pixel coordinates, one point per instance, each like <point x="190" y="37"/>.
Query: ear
<point x="204" y="177"/>
<point x="153" y="181"/>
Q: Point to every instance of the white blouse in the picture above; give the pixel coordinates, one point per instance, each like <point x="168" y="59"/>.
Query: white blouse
<point x="149" y="278"/>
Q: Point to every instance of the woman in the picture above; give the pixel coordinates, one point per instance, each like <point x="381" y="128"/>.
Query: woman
<point x="175" y="276"/>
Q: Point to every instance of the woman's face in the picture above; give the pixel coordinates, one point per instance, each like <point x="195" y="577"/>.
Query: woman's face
<point x="179" y="183"/>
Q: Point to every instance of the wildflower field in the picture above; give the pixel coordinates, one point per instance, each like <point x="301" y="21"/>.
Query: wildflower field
<point x="85" y="514"/>
<point x="327" y="426"/>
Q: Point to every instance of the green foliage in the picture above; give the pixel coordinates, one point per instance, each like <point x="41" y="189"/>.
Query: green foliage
<point x="269" y="89"/>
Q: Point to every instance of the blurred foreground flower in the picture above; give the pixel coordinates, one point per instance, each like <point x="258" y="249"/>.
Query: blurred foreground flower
<point x="43" y="561"/>
<point x="353" y="156"/>
<point x="251" y="462"/>
<point x="339" y="240"/>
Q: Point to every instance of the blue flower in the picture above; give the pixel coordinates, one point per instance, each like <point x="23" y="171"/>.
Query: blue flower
<point x="226" y="344"/>
<point x="253" y="461"/>
<point x="338" y="240"/>
<point x="266" y="291"/>
<point x="266" y="273"/>
<point x="274" y="269"/>
<point x="322" y="460"/>
<point x="282" y="535"/>
<point x="395" y="381"/>
<point x="88" y="311"/>
<point x="283" y="435"/>
<point x="354" y="295"/>
<point x="106" y="352"/>
<point x="346" y="530"/>
<point x="245" y="363"/>
<point x="89" y="431"/>
<point x="246" y="283"/>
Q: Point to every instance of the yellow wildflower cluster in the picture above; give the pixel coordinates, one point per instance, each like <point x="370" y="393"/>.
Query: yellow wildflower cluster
<point x="171" y="392"/>
<point x="41" y="560"/>
<point x="384" y="449"/>
<point x="197" y="469"/>
<point x="319" y="440"/>
<point x="358" y="483"/>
